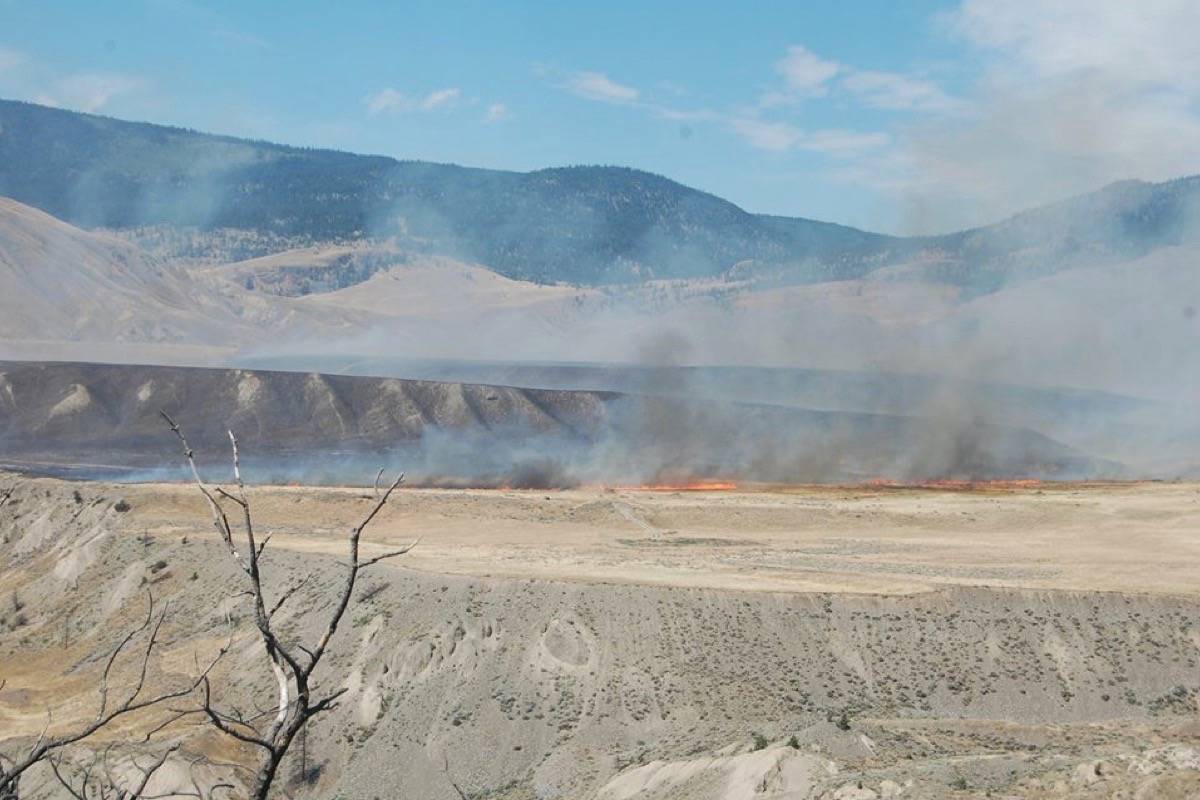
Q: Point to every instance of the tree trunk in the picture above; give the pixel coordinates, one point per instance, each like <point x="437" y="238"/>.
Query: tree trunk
<point x="261" y="789"/>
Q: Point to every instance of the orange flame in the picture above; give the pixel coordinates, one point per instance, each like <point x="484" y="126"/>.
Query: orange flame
<point x="686" y="486"/>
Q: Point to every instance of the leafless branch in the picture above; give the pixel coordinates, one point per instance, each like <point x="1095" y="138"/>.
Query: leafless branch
<point x="220" y="519"/>
<point x="46" y="746"/>
<point x="393" y="554"/>
<point x="295" y="703"/>
<point x="77" y="788"/>
<point x="148" y="772"/>
<point x="283" y="598"/>
<point x="91" y="783"/>
<point x="446" y="769"/>
<point x="226" y="724"/>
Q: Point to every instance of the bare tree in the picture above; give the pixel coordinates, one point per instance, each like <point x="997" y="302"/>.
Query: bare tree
<point x="94" y="781"/>
<point x="94" y="778"/>
<point x="5" y="496"/>
<point x="13" y="767"/>
<point x="292" y="663"/>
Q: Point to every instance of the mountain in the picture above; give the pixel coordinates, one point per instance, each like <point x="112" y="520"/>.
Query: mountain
<point x="1122" y="221"/>
<point x="62" y="283"/>
<point x="91" y="292"/>
<point x="587" y="225"/>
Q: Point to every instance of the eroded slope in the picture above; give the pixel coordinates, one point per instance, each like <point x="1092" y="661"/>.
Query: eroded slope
<point x="519" y="688"/>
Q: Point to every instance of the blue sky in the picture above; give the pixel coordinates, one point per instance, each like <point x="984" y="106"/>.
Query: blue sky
<point x="877" y="114"/>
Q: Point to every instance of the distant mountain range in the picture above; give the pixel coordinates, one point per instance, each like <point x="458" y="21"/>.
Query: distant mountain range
<point x="128" y="242"/>
<point x="581" y="225"/>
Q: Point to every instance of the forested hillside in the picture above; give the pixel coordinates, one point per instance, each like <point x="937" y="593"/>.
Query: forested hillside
<point x="586" y="225"/>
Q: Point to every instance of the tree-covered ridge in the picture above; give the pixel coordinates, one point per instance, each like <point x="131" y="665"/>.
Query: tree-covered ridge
<point x="583" y="225"/>
<point x="577" y="224"/>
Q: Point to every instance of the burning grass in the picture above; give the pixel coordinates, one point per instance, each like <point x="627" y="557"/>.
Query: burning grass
<point x="683" y="486"/>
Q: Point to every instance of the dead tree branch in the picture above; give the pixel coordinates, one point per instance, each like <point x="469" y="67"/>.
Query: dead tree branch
<point x="291" y="663"/>
<point x="95" y="781"/>
<point x="135" y="699"/>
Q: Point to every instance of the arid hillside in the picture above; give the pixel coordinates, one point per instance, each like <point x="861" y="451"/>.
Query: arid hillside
<point x="62" y="283"/>
<point x="973" y="648"/>
<point x="95" y="419"/>
<point x="97" y="293"/>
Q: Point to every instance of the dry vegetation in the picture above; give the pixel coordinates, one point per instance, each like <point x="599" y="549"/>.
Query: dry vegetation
<point x="292" y="663"/>
<point x="816" y="643"/>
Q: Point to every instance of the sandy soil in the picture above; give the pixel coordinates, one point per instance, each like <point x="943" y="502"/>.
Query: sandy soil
<point x="1135" y="537"/>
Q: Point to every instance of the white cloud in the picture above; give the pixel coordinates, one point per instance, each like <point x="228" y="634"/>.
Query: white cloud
<point x="805" y="73"/>
<point x="393" y="101"/>
<point x="782" y="136"/>
<point x="774" y="136"/>
<point x="685" y="115"/>
<point x="837" y="142"/>
<point x="893" y="91"/>
<point x="387" y="99"/>
<point x="439" y="99"/>
<point x="24" y="77"/>
<point x="91" y="91"/>
<point x="10" y="59"/>
<point x="1151" y="41"/>
<point x="496" y="112"/>
<point x="598" y="86"/>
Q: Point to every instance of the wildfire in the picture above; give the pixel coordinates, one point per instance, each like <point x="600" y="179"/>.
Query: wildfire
<point x="685" y="486"/>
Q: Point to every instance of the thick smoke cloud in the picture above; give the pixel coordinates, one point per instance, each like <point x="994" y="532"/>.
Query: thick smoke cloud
<point x="1069" y="95"/>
